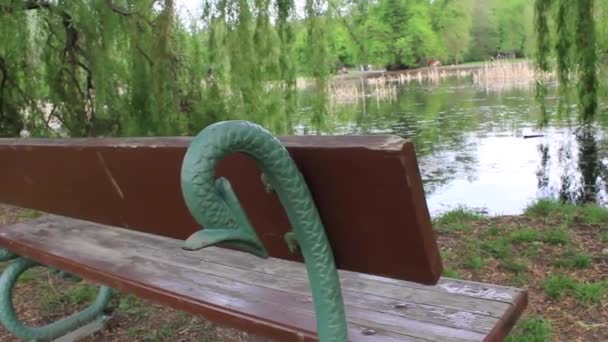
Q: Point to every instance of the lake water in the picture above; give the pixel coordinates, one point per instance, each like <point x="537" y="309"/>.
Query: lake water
<point x="471" y="143"/>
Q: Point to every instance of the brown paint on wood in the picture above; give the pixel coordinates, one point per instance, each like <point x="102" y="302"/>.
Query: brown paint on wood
<point x="368" y="191"/>
<point x="508" y="319"/>
<point x="271" y="300"/>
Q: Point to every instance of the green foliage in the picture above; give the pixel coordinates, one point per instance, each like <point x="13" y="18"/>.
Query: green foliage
<point x="450" y="273"/>
<point x="484" y="32"/>
<point x="556" y="237"/>
<point x="458" y="219"/>
<point x="29" y="214"/>
<point x="575" y="48"/>
<point x="586" y="293"/>
<point x="576" y="261"/>
<point x="533" y="329"/>
<point x="595" y="215"/>
<point x="524" y="235"/>
<point x="591" y="214"/>
<point x="499" y="248"/>
<point x="132" y="67"/>
<point x="453" y="20"/>
<point x="519" y="280"/>
<point x="458" y="215"/>
<point x="591" y="293"/>
<point x="130" y="305"/>
<point x="532" y="250"/>
<point x="493" y="230"/>
<point x="400" y="33"/>
<point x="548" y="207"/>
<point x="76" y="295"/>
<point x="474" y="262"/>
<point x="557" y="286"/>
<point x="513" y="265"/>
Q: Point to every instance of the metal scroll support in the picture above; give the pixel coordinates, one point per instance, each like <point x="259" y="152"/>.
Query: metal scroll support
<point x="216" y="207"/>
<point x="6" y="255"/>
<point x="11" y="322"/>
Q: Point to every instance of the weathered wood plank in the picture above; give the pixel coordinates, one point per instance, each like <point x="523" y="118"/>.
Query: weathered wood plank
<point x="349" y="279"/>
<point x="291" y="278"/>
<point x="269" y="297"/>
<point x="215" y="275"/>
<point x="134" y="184"/>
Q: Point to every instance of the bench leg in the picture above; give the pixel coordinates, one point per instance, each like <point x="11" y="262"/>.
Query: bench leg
<point x="9" y="318"/>
<point x="216" y="207"/>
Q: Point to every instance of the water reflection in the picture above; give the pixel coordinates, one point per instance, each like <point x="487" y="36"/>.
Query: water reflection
<point x="472" y="144"/>
<point x="582" y="163"/>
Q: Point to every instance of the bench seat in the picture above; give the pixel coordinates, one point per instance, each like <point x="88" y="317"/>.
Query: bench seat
<point x="267" y="297"/>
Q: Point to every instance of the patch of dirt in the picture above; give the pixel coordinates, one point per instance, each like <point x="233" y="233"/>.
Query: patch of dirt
<point x="571" y="319"/>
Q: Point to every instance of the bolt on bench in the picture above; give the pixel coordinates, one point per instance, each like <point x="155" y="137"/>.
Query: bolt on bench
<point x="278" y="218"/>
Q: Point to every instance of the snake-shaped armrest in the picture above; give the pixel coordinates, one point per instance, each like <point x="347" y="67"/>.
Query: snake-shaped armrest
<point x="216" y="207"/>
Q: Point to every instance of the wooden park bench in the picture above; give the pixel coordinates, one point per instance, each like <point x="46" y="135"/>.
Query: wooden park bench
<point x="127" y="214"/>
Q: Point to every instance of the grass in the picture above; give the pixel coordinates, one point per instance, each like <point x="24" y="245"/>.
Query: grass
<point x="493" y="230"/>
<point x="130" y="304"/>
<point x="591" y="292"/>
<point x="52" y="299"/>
<point x="519" y="280"/>
<point x="524" y="235"/>
<point x="482" y="63"/>
<point x="554" y="250"/>
<point x="546" y="208"/>
<point x="473" y="262"/>
<point x="457" y="220"/>
<point x="559" y="286"/>
<point x="587" y="214"/>
<point x="531" y="250"/>
<point x="450" y="273"/>
<point x="513" y="265"/>
<point x="595" y="215"/>
<point x="499" y="248"/>
<point x="575" y="261"/>
<point x="533" y="329"/>
<point x="557" y="236"/>
<point x="28" y="214"/>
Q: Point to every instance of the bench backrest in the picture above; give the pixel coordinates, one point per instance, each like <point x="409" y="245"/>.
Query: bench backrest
<point x="367" y="189"/>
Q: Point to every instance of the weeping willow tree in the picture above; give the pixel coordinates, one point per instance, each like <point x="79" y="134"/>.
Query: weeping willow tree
<point x="135" y="67"/>
<point x="572" y="38"/>
<point x="567" y="33"/>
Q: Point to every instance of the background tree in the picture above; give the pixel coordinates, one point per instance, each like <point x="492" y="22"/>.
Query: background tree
<point x="453" y="20"/>
<point x="136" y="67"/>
<point x="484" y="32"/>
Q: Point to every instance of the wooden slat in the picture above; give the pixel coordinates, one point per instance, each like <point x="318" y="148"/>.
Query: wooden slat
<point x="367" y="189"/>
<point x="269" y="297"/>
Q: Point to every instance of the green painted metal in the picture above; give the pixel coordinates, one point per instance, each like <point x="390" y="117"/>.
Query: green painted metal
<point x="6" y="255"/>
<point x="215" y="206"/>
<point x="11" y="322"/>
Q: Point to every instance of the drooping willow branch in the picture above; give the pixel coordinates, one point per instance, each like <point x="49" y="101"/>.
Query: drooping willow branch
<point x="576" y="51"/>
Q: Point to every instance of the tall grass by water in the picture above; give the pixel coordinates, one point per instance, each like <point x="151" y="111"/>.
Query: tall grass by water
<point x="495" y="76"/>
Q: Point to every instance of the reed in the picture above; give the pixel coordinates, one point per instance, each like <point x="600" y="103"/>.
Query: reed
<point x="349" y="92"/>
<point x="501" y="76"/>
